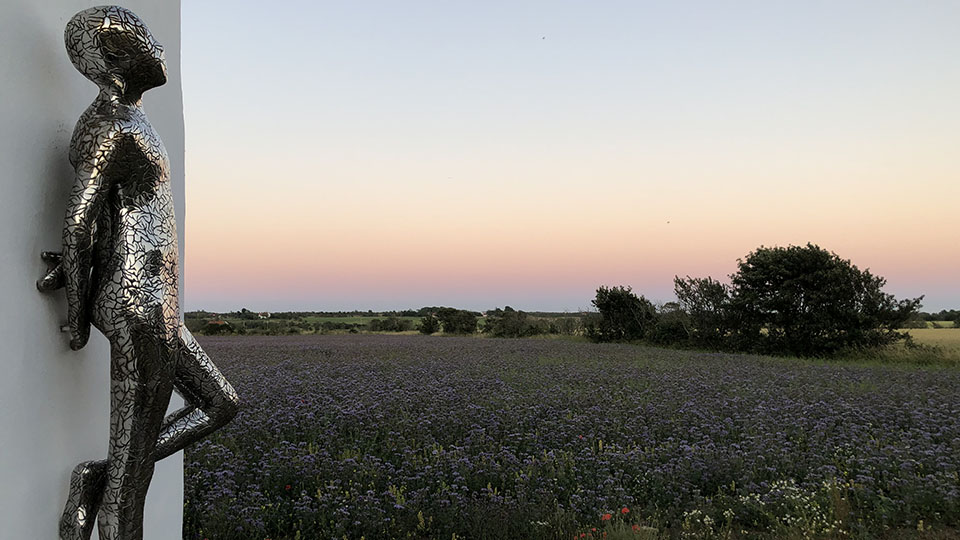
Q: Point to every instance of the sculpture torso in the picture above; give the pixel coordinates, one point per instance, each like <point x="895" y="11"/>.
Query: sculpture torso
<point x="135" y="239"/>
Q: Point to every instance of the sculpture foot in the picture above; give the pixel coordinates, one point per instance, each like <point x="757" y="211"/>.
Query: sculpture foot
<point x="86" y="489"/>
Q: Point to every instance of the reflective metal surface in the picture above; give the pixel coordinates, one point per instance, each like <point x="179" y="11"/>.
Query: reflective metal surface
<point x="120" y="269"/>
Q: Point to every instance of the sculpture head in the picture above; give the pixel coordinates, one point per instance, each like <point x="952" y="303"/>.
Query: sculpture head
<point x="112" y="47"/>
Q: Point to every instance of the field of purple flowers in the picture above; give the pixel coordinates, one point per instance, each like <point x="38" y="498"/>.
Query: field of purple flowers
<point x="376" y="436"/>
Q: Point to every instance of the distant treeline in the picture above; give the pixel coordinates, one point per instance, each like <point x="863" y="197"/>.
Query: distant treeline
<point x="798" y="300"/>
<point x="499" y="322"/>
<point x="946" y="315"/>
<point x="246" y="314"/>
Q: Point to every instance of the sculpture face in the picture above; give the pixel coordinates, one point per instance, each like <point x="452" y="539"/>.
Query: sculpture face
<point x="121" y="271"/>
<point x="112" y="47"/>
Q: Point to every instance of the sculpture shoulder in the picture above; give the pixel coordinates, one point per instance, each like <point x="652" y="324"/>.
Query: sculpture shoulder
<point x="96" y="134"/>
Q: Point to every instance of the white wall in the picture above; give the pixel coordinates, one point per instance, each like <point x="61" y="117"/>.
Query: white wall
<point x="54" y="408"/>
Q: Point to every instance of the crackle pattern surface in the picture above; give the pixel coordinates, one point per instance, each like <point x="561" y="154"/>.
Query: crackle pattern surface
<point x="119" y="266"/>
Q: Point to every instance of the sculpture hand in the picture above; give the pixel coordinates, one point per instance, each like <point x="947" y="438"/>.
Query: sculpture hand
<point x="55" y="278"/>
<point x="79" y="334"/>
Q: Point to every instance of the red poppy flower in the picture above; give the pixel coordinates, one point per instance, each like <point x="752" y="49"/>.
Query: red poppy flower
<point x="625" y="510"/>
<point x="607" y="517"/>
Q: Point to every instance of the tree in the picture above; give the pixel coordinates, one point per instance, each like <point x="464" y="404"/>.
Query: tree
<point x="390" y="324"/>
<point x="622" y="315"/>
<point x="672" y="326"/>
<point x="706" y="303"/>
<point x="807" y="301"/>
<point x="429" y="324"/>
<point x="216" y="327"/>
<point x="245" y="313"/>
<point x="508" y="322"/>
<point x="457" y="321"/>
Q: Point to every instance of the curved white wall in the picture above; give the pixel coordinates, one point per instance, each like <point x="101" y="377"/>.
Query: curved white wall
<point x="54" y="408"/>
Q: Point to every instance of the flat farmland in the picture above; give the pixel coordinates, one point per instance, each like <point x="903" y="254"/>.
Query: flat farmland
<point x="365" y="319"/>
<point x="947" y="339"/>
<point x="408" y="436"/>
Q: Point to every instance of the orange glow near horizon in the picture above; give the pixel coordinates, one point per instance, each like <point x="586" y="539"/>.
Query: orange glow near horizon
<point x="478" y="246"/>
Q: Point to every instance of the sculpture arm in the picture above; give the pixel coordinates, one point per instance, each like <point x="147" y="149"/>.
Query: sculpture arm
<point x="54" y="278"/>
<point x="86" y="202"/>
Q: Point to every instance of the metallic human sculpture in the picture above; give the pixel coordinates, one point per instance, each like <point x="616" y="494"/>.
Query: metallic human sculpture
<point x="119" y="266"/>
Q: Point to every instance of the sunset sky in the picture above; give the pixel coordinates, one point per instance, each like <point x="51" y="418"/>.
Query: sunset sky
<point x="386" y="155"/>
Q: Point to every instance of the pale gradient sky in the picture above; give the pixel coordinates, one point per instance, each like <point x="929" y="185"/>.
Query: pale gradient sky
<point x="385" y="155"/>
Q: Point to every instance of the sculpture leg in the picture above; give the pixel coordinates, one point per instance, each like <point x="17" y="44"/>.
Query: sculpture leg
<point x="142" y="369"/>
<point x="86" y="489"/>
<point x="211" y="401"/>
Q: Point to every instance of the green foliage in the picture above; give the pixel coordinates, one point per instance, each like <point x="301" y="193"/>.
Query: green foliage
<point x="917" y="321"/>
<point x="508" y="322"/>
<point x="807" y="301"/>
<point x="801" y="301"/>
<point x="457" y="321"/>
<point x="278" y="323"/>
<point x="952" y="315"/>
<point x="429" y="324"/>
<point x="706" y="302"/>
<point x="390" y="324"/>
<point x="942" y="315"/>
<point x="244" y="313"/>
<point x="623" y="316"/>
<point x="563" y="326"/>
<point x="214" y="328"/>
<point x="672" y="326"/>
<point x="276" y="328"/>
<point x="194" y="325"/>
<point x="334" y="326"/>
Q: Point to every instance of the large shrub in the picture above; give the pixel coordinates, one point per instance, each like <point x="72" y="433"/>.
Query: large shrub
<point x="429" y="324"/>
<point x="807" y="301"/>
<point x="623" y="316"/>
<point x="706" y="302"/>
<point x="508" y="322"/>
<point x="390" y="324"/>
<point x="672" y="326"/>
<point x="457" y="321"/>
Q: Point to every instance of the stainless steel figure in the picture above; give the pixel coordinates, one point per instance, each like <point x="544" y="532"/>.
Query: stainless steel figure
<point x="120" y="269"/>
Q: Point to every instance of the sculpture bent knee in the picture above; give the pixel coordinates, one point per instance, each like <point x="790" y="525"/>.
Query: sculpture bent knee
<point x="119" y="266"/>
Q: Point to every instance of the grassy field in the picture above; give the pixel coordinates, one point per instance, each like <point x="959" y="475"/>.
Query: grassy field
<point x="945" y="339"/>
<point x="940" y="324"/>
<point x="948" y="338"/>
<point x="316" y="319"/>
<point x="354" y="320"/>
<point x="386" y="436"/>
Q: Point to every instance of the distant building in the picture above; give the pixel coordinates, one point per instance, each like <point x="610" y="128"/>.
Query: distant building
<point x="264" y="315"/>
